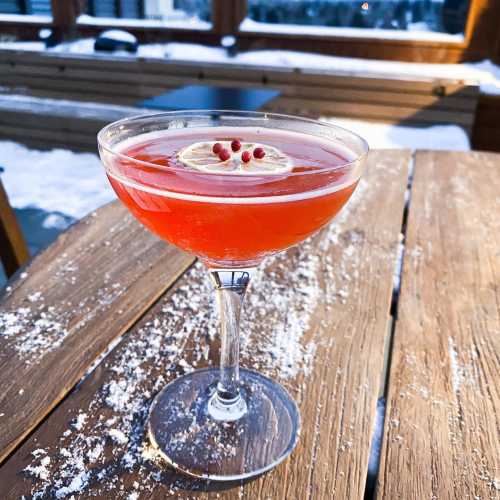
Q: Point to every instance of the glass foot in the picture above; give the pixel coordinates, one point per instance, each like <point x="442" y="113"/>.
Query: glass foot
<point x="192" y="441"/>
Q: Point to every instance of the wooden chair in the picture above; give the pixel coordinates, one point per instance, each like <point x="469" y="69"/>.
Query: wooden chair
<point x="13" y="250"/>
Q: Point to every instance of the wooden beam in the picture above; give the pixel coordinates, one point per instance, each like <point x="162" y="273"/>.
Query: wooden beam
<point x="482" y="32"/>
<point x="13" y="250"/>
<point x="222" y="17"/>
<point x="64" y="15"/>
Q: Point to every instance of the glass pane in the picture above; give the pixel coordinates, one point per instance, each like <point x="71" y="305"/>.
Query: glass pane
<point x="442" y="16"/>
<point x="191" y="12"/>
<point x="41" y="7"/>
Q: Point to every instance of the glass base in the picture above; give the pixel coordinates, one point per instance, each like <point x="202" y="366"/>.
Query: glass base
<point x="192" y="441"/>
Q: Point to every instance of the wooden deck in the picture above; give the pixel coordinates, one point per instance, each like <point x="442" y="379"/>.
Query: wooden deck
<point x="93" y="327"/>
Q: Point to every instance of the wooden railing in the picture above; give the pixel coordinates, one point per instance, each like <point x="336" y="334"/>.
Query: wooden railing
<point x="127" y="82"/>
<point x="481" y="39"/>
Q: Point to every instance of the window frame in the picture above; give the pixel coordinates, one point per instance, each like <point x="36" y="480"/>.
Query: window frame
<point x="481" y="39"/>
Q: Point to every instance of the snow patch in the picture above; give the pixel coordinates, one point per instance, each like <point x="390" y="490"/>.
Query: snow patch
<point x="382" y="135"/>
<point x="415" y="33"/>
<point x="55" y="181"/>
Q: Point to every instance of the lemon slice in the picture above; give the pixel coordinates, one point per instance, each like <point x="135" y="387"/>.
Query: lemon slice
<point x="200" y="156"/>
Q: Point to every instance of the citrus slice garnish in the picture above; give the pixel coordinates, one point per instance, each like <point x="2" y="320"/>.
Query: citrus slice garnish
<point x="200" y="156"/>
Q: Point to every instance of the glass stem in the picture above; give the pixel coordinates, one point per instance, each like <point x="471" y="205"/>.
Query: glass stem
<point x="227" y="402"/>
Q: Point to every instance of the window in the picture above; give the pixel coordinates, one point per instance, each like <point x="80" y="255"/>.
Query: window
<point x="191" y="13"/>
<point x="439" y="31"/>
<point x="428" y="16"/>
<point x="25" y="7"/>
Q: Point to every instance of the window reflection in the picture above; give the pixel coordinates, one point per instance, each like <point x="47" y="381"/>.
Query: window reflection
<point x="187" y="11"/>
<point x="442" y="16"/>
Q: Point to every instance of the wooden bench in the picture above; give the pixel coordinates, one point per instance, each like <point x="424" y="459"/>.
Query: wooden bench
<point x="47" y="123"/>
<point x="125" y="81"/>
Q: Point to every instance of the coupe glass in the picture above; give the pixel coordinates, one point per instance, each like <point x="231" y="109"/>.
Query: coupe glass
<point x="228" y="423"/>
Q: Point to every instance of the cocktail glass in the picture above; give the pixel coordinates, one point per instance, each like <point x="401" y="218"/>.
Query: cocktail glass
<point x="229" y="423"/>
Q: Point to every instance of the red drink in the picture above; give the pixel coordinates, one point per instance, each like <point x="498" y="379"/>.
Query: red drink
<point x="228" y="218"/>
<point x="216" y="184"/>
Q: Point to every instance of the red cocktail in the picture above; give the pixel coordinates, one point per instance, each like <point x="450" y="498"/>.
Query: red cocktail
<point x="230" y="187"/>
<point x="225" y="217"/>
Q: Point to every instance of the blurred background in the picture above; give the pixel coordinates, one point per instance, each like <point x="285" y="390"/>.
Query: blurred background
<point x="403" y="73"/>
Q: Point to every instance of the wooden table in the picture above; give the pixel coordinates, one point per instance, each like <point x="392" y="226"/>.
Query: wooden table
<point x="95" y="325"/>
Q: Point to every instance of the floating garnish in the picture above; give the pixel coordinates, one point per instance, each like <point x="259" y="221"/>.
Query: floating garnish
<point x="224" y="157"/>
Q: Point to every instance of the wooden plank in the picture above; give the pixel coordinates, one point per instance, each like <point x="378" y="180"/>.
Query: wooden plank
<point x="49" y="137"/>
<point x="334" y="296"/>
<point x="257" y="74"/>
<point x="88" y="97"/>
<point x="71" y="301"/>
<point x="50" y="58"/>
<point x="101" y="74"/>
<point x="78" y="123"/>
<point x="64" y="109"/>
<point x="13" y="250"/>
<point x="443" y="407"/>
<point x="371" y="111"/>
<point x="62" y="84"/>
<point x="86" y="128"/>
<point x="46" y="116"/>
<point x="455" y="101"/>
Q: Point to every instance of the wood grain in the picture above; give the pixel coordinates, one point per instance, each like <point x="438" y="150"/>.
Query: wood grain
<point x="13" y="250"/>
<point x="441" y="437"/>
<point x="68" y="304"/>
<point x="316" y="319"/>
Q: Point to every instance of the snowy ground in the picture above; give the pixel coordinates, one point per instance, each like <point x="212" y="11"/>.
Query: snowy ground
<point x="485" y="72"/>
<point x="54" y="181"/>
